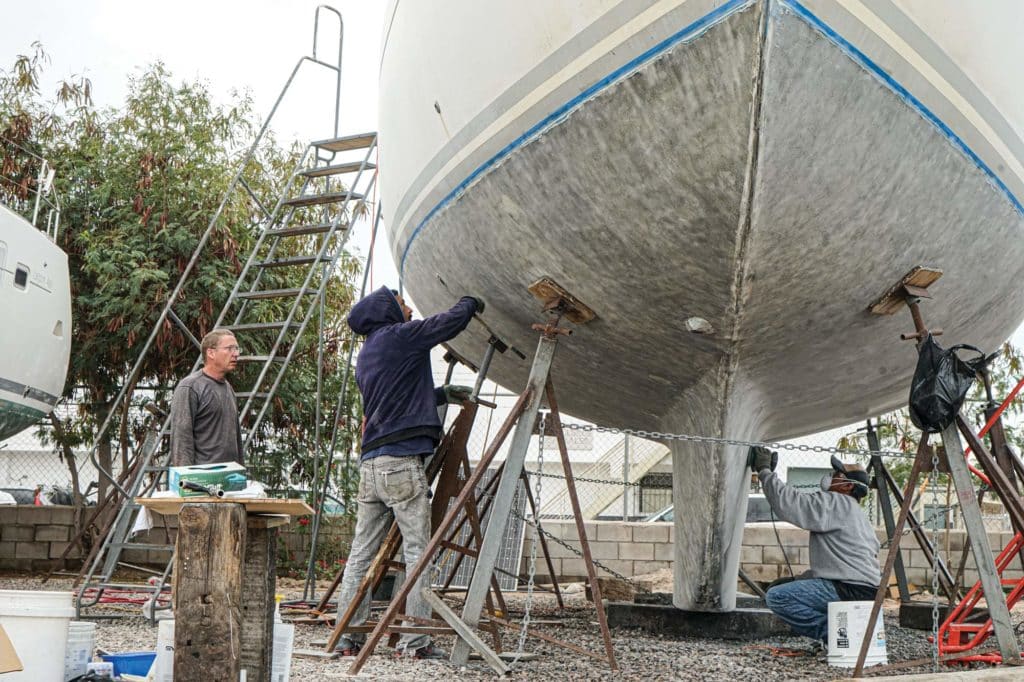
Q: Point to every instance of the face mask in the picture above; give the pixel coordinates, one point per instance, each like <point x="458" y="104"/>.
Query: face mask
<point x="826" y="482"/>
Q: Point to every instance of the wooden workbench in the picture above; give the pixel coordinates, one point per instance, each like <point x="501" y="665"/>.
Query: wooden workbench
<point x="224" y="583"/>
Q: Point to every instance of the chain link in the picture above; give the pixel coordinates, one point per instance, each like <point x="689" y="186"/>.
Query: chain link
<point x="935" y="562"/>
<point x="686" y="437"/>
<point x="532" y="571"/>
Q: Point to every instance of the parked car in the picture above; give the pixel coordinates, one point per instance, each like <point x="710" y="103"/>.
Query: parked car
<point x="757" y="510"/>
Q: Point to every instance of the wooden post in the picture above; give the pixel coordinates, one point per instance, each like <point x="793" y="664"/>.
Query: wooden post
<point x="208" y="594"/>
<point x="259" y="570"/>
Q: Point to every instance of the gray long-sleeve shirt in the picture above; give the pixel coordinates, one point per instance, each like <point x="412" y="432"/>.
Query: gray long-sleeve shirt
<point x="204" y="422"/>
<point x="843" y="545"/>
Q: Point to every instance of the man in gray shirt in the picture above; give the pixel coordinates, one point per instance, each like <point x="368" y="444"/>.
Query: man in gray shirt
<point x="204" y="414"/>
<point x="843" y="546"/>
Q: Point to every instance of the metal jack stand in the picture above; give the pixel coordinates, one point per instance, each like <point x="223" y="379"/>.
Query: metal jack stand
<point x="560" y="304"/>
<point x="910" y="290"/>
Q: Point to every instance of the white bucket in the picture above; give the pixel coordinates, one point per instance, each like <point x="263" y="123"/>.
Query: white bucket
<point x="163" y="665"/>
<point x="284" y="639"/>
<point x="81" y="643"/>
<point x="37" y="623"/>
<point x="847" y="624"/>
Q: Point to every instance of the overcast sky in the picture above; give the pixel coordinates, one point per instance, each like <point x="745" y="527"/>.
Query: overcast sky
<point x="230" y="44"/>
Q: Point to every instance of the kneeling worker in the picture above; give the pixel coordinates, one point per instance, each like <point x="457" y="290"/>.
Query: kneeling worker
<point x="843" y="545"/>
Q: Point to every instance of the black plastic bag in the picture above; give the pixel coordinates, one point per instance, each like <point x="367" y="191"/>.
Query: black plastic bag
<point x="940" y="384"/>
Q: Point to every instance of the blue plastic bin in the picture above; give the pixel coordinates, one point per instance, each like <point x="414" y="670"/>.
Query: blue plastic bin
<point x="132" y="662"/>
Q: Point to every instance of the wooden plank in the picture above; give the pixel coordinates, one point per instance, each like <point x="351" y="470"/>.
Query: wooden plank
<point x="267" y="505"/>
<point x="892" y="300"/>
<point x="977" y="536"/>
<point x="465" y="632"/>
<point x="259" y="571"/>
<point x="208" y="592"/>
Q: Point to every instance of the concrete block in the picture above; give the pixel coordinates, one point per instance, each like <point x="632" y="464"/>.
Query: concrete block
<point x="758" y="535"/>
<point x="773" y="554"/>
<point x="62" y="514"/>
<point x="645" y="567"/>
<point x="7" y="549"/>
<point x="739" y="624"/>
<point x="636" y="550"/>
<point x="666" y="552"/>
<point x="604" y="550"/>
<point x="620" y="566"/>
<point x="32" y="550"/>
<point x="672" y="533"/>
<point x="762" y="573"/>
<point x="573" y="569"/>
<point x="748" y="554"/>
<point x="32" y="515"/>
<point x="805" y="555"/>
<point x="57" y="549"/>
<point x="8" y="515"/>
<point x="52" y="533"/>
<point x="614" y="532"/>
<point x="17" y="533"/>
<point x="651" y="532"/>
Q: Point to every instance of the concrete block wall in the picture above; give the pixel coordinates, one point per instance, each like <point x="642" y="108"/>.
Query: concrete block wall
<point x="33" y="538"/>
<point x="634" y="549"/>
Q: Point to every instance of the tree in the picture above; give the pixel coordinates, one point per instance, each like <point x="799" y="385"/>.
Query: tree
<point x="139" y="185"/>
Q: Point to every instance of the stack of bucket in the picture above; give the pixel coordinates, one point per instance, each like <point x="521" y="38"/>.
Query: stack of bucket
<point x="37" y="624"/>
<point x="81" y="644"/>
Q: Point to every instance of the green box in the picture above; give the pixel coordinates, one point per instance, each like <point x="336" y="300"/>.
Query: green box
<point x="225" y="475"/>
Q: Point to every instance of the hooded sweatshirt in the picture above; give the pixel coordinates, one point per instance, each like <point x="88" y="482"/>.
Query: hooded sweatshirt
<point x="843" y="546"/>
<point x="393" y="369"/>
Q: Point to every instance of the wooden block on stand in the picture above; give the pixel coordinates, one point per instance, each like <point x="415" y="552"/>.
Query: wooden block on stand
<point x="208" y="595"/>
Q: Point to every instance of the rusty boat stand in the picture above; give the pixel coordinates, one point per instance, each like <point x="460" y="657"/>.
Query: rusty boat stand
<point x="909" y="291"/>
<point x="558" y="305"/>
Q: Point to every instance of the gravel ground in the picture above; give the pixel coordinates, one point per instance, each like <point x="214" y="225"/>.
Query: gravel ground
<point x="641" y="656"/>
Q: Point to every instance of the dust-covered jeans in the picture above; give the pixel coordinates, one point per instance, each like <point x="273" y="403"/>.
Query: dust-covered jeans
<point x="803" y="605"/>
<point x="388" y="485"/>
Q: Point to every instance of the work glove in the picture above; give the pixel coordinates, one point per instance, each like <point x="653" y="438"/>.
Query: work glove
<point x="760" y="458"/>
<point x="479" y="303"/>
<point x="456" y="395"/>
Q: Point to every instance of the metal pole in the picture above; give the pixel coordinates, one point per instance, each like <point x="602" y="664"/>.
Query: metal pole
<point x="502" y="506"/>
<point x="625" y="477"/>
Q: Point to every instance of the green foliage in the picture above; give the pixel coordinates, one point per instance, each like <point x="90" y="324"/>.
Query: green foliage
<point x="140" y="184"/>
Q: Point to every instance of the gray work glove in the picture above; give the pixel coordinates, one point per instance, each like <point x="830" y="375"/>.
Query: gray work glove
<point x="760" y="458"/>
<point x="456" y="395"/>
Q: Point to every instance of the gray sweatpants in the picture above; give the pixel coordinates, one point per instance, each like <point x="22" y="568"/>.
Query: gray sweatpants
<point x="397" y="484"/>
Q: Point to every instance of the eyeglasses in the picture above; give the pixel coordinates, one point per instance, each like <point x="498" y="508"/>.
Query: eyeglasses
<point x="231" y="349"/>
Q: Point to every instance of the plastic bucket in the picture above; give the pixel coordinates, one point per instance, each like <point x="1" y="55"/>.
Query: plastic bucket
<point x="847" y="624"/>
<point x="78" y="654"/>
<point x="284" y="639"/>
<point x="163" y="667"/>
<point x="37" y="623"/>
<point x="131" y="662"/>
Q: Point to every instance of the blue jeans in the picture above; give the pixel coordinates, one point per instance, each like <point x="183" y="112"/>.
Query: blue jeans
<point x="803" y="605"/>
<point x="389" y="487"/>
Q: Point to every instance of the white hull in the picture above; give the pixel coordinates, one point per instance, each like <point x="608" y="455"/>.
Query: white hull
<point x="35" y="339"/>
<point x="769" y="166"/>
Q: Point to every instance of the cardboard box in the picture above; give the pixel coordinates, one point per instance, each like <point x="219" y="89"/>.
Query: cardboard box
<point x="226" y="475"/>
<point x="9" y="661"/>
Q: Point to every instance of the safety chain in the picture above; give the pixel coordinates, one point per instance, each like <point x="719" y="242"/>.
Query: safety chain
<point x="658" y="435"/>
<point x="935" y="562"/>
<point x="559" y="541"/>
<point x="532" y="572"/>
<point x="583" y="479"/>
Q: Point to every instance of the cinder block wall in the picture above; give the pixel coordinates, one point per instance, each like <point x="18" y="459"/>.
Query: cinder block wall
<point x="33" y="539"/>
<point x="634" y="549"/>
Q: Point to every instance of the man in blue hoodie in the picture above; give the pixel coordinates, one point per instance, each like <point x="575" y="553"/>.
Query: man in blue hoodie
<point x="401" y="428"/>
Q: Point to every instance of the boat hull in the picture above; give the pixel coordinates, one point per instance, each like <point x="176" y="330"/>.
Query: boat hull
<point x="35" y="307"/>
<point x="744" y="163"/>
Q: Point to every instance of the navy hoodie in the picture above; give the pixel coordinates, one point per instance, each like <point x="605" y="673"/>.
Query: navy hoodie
<point x="393" y="369"/>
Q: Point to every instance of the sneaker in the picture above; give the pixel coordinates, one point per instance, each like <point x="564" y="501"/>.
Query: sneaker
<point x="430" y="653"/>
<point x="819" y="650"/>
<point x="348" y="649"/>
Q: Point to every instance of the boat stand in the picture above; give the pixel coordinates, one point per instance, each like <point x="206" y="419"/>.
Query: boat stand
<point x="909" y="291"/>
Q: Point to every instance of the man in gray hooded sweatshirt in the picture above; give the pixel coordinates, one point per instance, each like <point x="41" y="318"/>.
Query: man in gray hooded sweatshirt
<point x="843" y="545"/>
